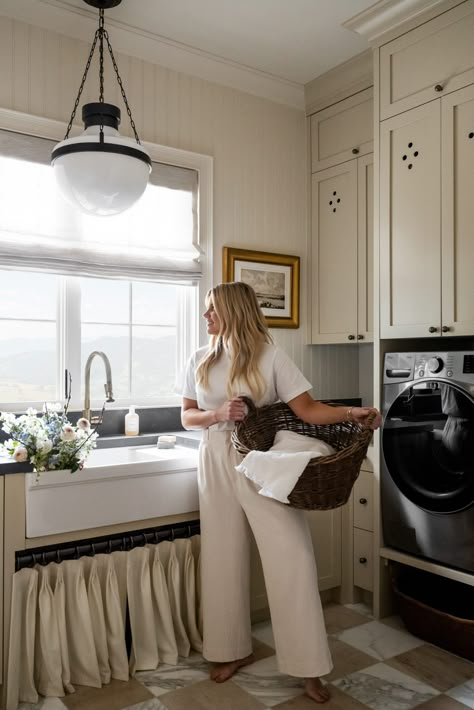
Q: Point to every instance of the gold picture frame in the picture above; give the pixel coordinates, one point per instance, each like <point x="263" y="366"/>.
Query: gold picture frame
<point x="275" y="278"/>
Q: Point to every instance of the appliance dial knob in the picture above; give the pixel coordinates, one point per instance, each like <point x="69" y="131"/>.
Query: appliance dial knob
<point x="435" y="364"/>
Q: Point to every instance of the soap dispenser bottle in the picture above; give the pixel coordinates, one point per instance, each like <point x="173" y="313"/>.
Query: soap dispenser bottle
<point x="132" y="419"/>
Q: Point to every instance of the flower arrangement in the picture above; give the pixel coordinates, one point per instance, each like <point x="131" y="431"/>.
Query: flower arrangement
<point x="50" y="442"/>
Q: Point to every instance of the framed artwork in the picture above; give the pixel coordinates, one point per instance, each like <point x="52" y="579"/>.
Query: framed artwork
<point x="275" y="279"/>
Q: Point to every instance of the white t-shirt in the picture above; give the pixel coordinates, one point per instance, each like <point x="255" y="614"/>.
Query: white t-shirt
<point x="284" y="381"/>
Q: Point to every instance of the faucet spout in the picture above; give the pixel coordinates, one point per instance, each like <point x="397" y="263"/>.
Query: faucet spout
<point x="108" y="386"/>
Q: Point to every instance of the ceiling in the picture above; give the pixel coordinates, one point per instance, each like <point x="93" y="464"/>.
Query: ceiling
<point x="281" y="41"/>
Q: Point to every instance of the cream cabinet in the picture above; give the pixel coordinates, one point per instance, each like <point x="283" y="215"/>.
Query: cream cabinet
<point x="363" y="515"/>
<point x="342" y="253"/>
<point x="325" y="527"/>
<point x="426" y="217"/>
<point x="342" y="131"/>
<point x="432" y="60"/>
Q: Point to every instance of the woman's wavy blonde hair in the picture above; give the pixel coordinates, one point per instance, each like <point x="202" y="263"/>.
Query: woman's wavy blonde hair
<point x="243" y="332"/>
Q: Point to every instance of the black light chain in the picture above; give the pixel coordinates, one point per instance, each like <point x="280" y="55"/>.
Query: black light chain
<point x="100" y="34"/>
<point x="132" y="122"/>
<point x="78" y="97"/>
<point x="101" y="71"/>
<point x="101" y="56"/>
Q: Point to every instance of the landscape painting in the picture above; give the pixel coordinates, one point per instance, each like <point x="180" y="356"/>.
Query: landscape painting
<point x="275" y="279"/>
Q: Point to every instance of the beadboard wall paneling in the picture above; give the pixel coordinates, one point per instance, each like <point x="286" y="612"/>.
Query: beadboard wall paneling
<point x="259" y="151"/>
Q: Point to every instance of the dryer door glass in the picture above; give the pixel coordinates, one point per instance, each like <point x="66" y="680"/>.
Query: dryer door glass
<point x="428" y="445"/>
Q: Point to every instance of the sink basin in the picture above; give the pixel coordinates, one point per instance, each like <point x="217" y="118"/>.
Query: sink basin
<point x="134" y="454"/>
<point x="117" y="485"/>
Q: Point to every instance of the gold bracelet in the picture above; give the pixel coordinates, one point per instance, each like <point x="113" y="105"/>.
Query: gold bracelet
<point x="349" y="417"/>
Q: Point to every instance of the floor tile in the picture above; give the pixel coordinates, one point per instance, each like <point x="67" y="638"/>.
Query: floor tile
<point x="152" y="704"/>
<point x="442" y="702"/>
<point x="166" y="678"/>
<point x="263" y="632"/>
<point x="264" y="682"/>
<point x="381" y="687"/>
<point x="394" y="621"/>
<point x="434" y="666"/>
<point x="346" y="659"/>
<point x="338" y="701"/>
<point x="379" y="640"/>
<point x="463" y="693"/>
<point x="361" y="608"/>
<point x="209" y="695"/>
<point x="338" y="618"/>
<point x="262" y="650"/>
<point x="43" y="704"/>
<point x="114" y="696"/>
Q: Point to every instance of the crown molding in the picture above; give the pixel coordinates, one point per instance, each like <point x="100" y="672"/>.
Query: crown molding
<point x="388" y="19"/>
<point x="60" y="17"/>
<point x="339" y="83"/>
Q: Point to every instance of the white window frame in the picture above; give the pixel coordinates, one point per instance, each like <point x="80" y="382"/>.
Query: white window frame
<point x="195" y="331"/>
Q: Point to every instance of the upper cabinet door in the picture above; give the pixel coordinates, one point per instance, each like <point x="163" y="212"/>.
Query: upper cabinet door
<point x="410" y="224"/>
<point x="457" y="280"/>
<point x="365" y="248"/>
<point x="343" y="131"/>
<point x="428" y="62"/>
<point x="334" y="255"/>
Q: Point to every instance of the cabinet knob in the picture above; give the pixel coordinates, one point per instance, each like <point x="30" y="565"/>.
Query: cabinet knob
<point x="351" y="337"/>
<point x="438" y="87"/>
<point x="445" y="328"/>
<point x="432" y="329"/>
<point x="360" y="337"/>
<point x="363" y="501"/>
<point x="355" y="151"/>
<point x="363" y="560"/>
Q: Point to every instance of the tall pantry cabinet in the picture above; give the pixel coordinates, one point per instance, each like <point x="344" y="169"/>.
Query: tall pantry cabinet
<point x="427" y="179"/>
<point x="341" y="221"/>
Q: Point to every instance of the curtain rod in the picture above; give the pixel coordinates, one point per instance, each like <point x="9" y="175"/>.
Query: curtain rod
<point x="105" y="545"/>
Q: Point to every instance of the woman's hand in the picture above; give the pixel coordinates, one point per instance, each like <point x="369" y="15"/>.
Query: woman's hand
<point x="360" y="415"/>
<point x="234" y="410"/>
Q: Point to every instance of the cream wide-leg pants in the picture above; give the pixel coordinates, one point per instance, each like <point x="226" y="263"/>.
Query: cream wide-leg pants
<point x="229" y="504"/>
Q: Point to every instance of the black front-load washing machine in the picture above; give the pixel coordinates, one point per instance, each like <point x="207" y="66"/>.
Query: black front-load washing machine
<point x="427" y="472"/>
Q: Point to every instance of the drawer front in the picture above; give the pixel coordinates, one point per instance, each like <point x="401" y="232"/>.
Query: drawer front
<point x="364" y="501"/>
<point x="342" y="132"/>
<point x="363" y="559"/>
<point x="431" y="60"/>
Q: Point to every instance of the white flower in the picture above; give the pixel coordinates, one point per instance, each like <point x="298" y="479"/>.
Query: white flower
<point x="68" y="433"/>
<point x="83" y="423"/>
<point x="31" y="412"/>
<point x="44" y="446"/>
<point x="20" y="454"/>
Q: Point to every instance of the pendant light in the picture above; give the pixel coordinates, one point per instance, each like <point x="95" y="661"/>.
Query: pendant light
<point x="100" y="171"/>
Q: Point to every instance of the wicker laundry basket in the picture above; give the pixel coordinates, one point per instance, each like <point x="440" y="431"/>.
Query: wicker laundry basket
<point x="327" y="481"/>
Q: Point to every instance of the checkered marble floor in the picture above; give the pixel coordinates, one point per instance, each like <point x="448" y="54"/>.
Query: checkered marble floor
<point x="377" y="665"/>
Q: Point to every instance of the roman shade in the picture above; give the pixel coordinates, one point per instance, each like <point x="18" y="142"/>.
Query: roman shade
<point x="156" y="239"/>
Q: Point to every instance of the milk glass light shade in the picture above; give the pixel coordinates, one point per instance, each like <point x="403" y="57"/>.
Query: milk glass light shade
<point x="101" y="177"/>
<point x="101" y="172"/>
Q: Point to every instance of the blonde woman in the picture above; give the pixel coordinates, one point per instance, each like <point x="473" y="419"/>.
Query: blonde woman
<point x="242" y="360"/>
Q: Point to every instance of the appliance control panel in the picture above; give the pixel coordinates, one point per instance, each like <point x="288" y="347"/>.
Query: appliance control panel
<point x="402" y="367"/>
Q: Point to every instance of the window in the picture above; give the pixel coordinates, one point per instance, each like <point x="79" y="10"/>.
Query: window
<point x="28" y="337"/>
<point x="71" y="284"/>
<point x="46" y="321"/>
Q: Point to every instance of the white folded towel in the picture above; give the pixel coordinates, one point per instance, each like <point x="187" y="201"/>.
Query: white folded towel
<point x="277" y="470"/>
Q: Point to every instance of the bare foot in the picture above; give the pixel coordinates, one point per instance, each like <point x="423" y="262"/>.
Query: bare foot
<point x="315" y="690"/>
<point x="223" y="671"/>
